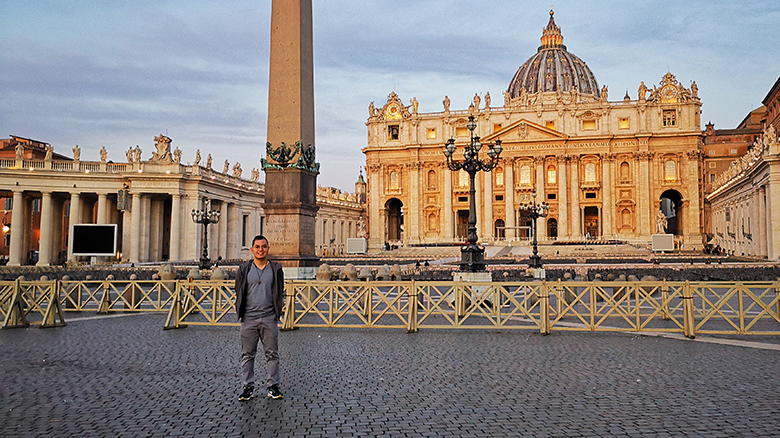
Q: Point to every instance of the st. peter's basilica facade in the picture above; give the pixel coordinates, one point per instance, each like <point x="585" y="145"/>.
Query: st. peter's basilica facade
<point x="606" y="168"/>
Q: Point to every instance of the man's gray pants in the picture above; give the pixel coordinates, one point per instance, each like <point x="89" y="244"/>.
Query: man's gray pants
<point x="266" y="331"/>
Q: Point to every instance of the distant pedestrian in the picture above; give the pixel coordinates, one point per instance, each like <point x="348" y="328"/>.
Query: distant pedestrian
<point x="259" y="303"/>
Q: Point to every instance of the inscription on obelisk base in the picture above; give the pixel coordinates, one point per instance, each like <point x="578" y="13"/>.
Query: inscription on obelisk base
<point x="290" y="169"/>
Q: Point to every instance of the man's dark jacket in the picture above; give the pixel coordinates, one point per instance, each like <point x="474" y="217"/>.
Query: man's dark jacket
<point x="277" y="288"/>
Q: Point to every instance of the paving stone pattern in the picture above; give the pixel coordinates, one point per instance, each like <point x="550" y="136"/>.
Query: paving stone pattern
<point x="125" y="377"/>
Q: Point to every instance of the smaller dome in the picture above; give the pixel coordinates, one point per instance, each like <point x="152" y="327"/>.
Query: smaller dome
<point x="553" y="68"/>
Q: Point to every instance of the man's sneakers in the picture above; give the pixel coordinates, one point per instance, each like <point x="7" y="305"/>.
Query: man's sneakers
<point x="246" y="394"/>
<point x="273" y="392"/>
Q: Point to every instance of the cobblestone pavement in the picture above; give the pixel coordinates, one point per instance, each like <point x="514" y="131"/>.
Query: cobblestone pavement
<point x="122" y="375"/>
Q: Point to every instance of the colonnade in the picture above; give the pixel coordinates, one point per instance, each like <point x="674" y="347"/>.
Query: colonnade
<point x="740" y="224"/>
<point x="158" y="225"/>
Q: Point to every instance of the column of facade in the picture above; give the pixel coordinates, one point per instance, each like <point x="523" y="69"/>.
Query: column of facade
<point x="693" y="227"/>
<point x="45" y="241"/>
<point x="375" y="216"/>
<point x="541" y="232"/>
<point x="563" y="200"/>
<point x="414" y="212"/>
<point x="576" y="226"/>
<point x="509" y="197"/>
<point x="761" y="225"/>
<point x="447" y="232"/>
<point x="135" y="228"/>
<point x="488" y="228"/>
<point x="175" y="236"/>
<point x="102" y="208"/>
<point x="608" y="206"/>
<point x="644" y="228"/>
<point x="75" y="218"/>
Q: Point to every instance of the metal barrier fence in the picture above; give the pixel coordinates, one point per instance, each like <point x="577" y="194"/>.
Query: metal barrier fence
<point x="731" y="308"/>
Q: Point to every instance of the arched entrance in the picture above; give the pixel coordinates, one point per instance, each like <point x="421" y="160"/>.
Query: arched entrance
<point x="552" y="228"/>
<point x="591" y="217"/>
<point x="499" y="229"/>
<point x="395" y="220"/>
<point x="671" y="206"/>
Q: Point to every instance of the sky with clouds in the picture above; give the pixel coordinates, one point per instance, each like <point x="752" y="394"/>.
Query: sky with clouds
<point x="117" y="73"/>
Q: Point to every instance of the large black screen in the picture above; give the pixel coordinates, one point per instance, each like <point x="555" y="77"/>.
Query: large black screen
<point x="94" y="240"/>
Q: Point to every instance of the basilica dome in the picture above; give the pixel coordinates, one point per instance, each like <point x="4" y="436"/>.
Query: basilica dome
<point x="553" y="68"/>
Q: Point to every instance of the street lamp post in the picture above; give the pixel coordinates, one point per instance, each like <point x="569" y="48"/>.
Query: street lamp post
<point x="535" y="211"/>
<point x="472" y="255"/>
<point x="206" y="218"/>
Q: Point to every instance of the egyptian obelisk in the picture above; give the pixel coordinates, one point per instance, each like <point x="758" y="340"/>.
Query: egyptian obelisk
<point x="290" y="169"/>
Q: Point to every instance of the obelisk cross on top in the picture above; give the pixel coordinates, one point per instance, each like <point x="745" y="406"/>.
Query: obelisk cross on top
<point x="291" y="171"/>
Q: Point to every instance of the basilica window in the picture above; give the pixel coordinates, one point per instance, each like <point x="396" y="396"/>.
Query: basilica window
<point x="625" y="172"/>
<point x="431" y="133"/>
<point x="461" y="131"/>
<point x="392" y="131"/>
<point x="433" y="222"/>
<point x="670" y="171"/>
<point x="550" y="124"/>
<point x="670" y="117"/>
<point x="496" y="127"/>
<point x="431" y="179"/>
<point x="463" y="178"/>
<point x="525" y="175"/>
<point x="623" y="123"/>
<point x="552" y="176"/>
<point x="500" y="177"/>
<point x="626" y="216"/>
<point x="590" y="173"/>
<point x="588" y="125"/>
<point x="394" y="180"/>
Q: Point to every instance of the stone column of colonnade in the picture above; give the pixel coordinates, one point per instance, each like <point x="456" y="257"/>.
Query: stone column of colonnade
<point x="224" y="221"/>
<point x="509" y="196"/>
<point x="75" y="218"/>
<point x="487" y="230"/>
<point x="135" y="228"/>
<point x="233" y="239"/>
<point x="762" y="225"/>
<point x="541" y="231"/>
<point x="576" y="225"/>
<point x="563" y="206"/>
<point x="608" y="206"/>
<point x="45" y="241"/>
<point x="175" y="237"/>
<point x="447" y="229"/>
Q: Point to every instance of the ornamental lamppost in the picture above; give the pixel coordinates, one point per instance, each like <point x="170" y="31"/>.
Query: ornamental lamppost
<point x="535" y="211"/>
<point x="472" y="255"/>
<point x="206" y="218"/>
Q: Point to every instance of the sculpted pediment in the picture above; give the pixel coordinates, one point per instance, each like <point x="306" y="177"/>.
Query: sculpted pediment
<point x="524" y="130"/>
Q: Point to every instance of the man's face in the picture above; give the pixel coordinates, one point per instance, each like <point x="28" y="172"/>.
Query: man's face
<point x="260" y="249"/>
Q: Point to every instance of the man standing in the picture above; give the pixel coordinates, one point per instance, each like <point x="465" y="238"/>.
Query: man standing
<point x="259" y="301"/>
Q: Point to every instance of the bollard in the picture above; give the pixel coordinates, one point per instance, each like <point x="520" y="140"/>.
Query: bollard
<point x="689" y="322"/>
<point x="665" y="301"/>
<point x="544" y="309"/>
